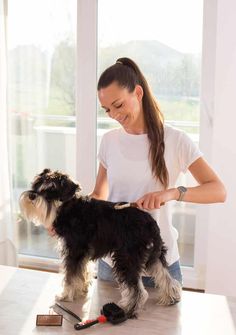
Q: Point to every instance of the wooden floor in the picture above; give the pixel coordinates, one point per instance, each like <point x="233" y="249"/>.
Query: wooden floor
<point x="26" y="293"/>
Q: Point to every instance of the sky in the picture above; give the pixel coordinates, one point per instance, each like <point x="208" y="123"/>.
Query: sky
<point x="176" y="23"/>
<point x="40" y="22"/>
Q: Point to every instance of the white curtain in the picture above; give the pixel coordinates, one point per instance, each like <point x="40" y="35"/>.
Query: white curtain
<point x="7" y="248"/>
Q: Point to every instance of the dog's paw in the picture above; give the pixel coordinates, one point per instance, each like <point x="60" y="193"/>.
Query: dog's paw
<point x="80" y="293"/>
<point x="63" y="297"/>
<point x="130" y="313"/>
<point x="167" y="300"/>
<point x="84" y="291"/>
<point x="85" y="287"/>
<point x="170" y="296"/>
<point x="128" y="310"/>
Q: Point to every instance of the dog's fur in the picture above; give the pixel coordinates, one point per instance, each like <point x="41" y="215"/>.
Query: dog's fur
<point x="91" y="229"/>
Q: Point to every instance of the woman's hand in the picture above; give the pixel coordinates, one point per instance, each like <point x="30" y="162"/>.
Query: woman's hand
<point x="155" y="200"/>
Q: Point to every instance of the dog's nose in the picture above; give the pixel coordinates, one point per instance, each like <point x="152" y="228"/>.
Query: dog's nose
<point x="32" y="195"/>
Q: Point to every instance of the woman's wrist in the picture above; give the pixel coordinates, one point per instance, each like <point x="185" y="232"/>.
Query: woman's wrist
<point x="174" y="192"/>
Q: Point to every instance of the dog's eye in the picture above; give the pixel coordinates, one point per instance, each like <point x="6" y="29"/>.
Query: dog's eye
<point x="51" y="186"/>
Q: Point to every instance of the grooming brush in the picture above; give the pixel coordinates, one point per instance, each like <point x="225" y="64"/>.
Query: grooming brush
<point x="110" y="312"/>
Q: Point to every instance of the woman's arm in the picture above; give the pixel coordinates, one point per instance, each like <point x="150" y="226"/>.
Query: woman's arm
<point x="101" y="186"/>
<point x="209" y="190"/>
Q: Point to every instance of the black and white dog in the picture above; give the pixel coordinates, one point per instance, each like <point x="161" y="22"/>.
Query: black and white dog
<point x="90" y="229"/>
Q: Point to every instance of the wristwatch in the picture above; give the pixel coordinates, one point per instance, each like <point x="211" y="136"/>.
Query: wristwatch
<point x="182" y="190"/>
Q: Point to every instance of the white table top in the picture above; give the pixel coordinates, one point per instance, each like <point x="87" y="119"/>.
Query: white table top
<point x="26" y="293"/>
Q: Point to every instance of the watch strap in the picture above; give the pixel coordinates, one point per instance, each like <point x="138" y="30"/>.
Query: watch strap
<point x="182" y="190"/>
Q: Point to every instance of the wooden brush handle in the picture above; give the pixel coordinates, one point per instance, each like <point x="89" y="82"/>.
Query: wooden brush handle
<point x="129" y="204"/>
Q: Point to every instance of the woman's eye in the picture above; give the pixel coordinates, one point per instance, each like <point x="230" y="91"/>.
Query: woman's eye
<point x="119" y="106"/>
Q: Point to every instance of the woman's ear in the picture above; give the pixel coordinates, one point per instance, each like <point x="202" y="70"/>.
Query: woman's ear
<point x="139" y="92"/>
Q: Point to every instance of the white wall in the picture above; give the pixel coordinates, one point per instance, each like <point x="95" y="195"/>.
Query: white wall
<point x="218" y="140"/>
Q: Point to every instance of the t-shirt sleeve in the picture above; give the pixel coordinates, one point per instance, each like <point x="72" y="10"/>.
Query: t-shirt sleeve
<point x="102" y="153"/>
<point x="188" y="152"/>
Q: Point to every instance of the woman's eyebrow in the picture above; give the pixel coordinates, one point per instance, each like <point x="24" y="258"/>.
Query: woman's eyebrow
<point x="112" y="103"/>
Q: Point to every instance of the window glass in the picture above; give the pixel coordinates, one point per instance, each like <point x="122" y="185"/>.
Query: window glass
<point x="41" y="100"/>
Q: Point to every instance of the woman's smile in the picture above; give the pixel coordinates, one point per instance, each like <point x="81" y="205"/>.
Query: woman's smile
<point x="122" y="119"/>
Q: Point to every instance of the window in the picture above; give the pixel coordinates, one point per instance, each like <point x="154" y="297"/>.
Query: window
<point x="164" y="38"/>
<point x="41" y="57"/>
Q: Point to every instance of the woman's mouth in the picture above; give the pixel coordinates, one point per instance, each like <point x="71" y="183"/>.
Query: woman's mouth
<point x="123" y="119"/>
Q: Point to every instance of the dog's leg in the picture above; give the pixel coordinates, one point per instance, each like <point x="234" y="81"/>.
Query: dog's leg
<point x="127" y="271"/>
<point x="133" y="296"/>
<point x="169" y="289"/>
<point x="76" y="280"/>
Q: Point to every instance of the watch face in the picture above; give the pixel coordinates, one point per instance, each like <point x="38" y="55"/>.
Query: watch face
<point x="182" y="189"/>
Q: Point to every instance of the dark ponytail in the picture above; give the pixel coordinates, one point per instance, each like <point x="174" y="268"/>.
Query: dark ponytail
<point x="127" y="74"/>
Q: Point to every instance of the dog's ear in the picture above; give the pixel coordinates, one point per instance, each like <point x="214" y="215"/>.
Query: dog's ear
<point x="79" y="188"/>
<point x="39" y="178"/>
<point x="45" y="171"/>
<point x="69" y="189"/>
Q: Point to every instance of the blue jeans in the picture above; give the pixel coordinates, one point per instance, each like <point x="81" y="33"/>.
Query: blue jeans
<point x="105" y="273"/>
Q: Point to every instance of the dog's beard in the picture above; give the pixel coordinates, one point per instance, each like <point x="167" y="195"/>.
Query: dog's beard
<point x="38" y="211"/>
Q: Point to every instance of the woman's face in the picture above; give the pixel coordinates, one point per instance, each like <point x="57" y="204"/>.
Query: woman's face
<point x="124" y="106"/>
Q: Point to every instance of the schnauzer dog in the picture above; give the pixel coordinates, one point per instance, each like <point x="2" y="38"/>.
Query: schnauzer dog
<point x="90" y="229"/>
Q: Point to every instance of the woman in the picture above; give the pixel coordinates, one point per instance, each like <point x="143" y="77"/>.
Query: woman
<point x="141" y="161"/>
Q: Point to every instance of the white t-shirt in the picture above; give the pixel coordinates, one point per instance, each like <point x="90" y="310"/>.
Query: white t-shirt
<point x="125" y="157"/>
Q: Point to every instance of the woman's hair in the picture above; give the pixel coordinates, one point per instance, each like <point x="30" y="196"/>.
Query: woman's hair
<point x="127" y="74"/>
